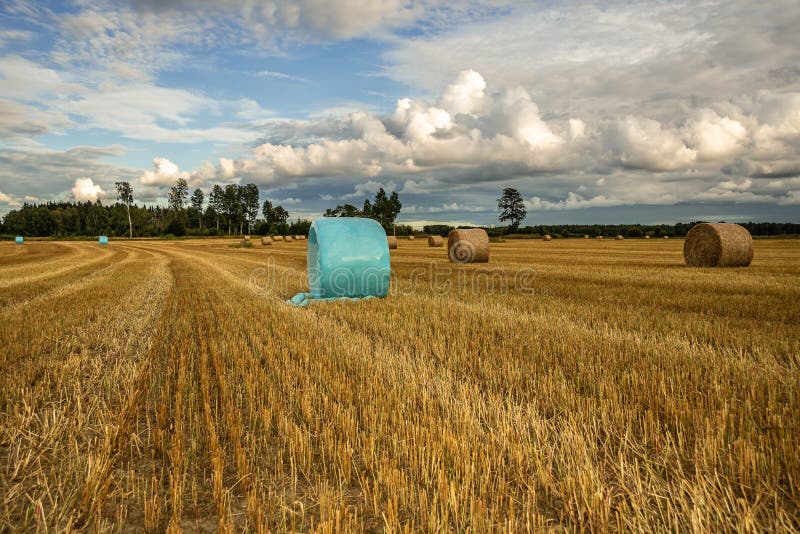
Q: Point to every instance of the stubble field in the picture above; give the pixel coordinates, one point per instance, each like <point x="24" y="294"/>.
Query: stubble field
<point x="595" y="385"/>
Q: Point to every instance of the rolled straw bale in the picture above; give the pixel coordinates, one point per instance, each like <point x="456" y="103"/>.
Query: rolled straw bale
<point x="287" y="238"/>
<point x="718" y="245"/>
<point x="666" y="237"/>
<point x="468" y="246"/>
<point x="586" y="236"/>
<point x="266" y="240"/>
<point x="599" y="237"/>
<point x="411" y="238"/>
<point x="647" y="237"/>
<point x="547" y="237"/>
<point x="392" y="241"/>
<point x="435" y="241"/>
<point x="103" y="240"/>
<point x="19" y="240"/>
<point x="347" y="257"/>
<point x="298" y="238"/>
<point x="619" y="238"/>
<point x="277" y="238"/>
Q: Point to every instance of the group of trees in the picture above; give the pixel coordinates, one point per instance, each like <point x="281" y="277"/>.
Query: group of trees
<point x="232" y="209"/>
<point x="383" y="209"/>
<point x="611" y="230"/>
<point x="512" y="209"/>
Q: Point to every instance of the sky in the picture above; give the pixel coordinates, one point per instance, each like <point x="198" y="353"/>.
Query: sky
<point x="612" y="112"/>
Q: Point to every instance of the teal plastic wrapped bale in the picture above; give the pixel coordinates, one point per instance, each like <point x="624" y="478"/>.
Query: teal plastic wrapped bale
<point x="348" y="258"/>
<point x="103" y="240"/>
<point x="19" y="240"/>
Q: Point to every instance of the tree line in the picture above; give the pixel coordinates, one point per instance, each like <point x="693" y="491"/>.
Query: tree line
<point x="236" y="209"/>
<point x="512" y="210"/>
<point x="611" y="230"/>
<point x="229" y="210"/>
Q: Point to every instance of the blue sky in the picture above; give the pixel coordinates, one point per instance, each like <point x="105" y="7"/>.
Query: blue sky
<point x="608" y="112"/>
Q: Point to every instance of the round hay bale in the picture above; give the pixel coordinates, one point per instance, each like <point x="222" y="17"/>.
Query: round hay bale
<point x="103" y="240"/>
<point x="547" y="237"/>
<point x="411" y="238"/>
<point x="347" y="257"/>
<point x="277" y="238"/>
<point x="287" y="238"/>
<point x="718" y="245"/>
<point x="266" y="240"/>
<point x="599" y="237"/>
<point x="19" y="240"/>
<point x="435" y="241"/>
<point x="297" y="238"/>
<point x="619" y="238"/>
<point x="392" y="241"/>
<point x="647" y="237"/>
<point x="666" y="237"/>
<point x="468" y="246"/>
<point x="586" y="236"/>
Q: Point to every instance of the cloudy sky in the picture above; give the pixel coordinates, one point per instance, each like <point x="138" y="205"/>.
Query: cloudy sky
<point x="608" y="112"/>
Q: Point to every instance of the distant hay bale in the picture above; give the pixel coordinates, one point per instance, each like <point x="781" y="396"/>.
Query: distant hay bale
<point x="468" y="245"/>
<point x="298" y="238"/>
<point x="301" y="237"/>
<point x="277" y="238"/>
<point x="392" y="241"/>
<point x="599" y="237"/>
<point x="411" y="238"/>
<point x="435" y="241"/>
<point x="718" y="245"/>
<point x="666" y="237"/>
<point x="266" y="240"/>
<point x="647" y="237"/>
<point x="586" y="236"/>
<point x="547" y="237"/>
<point x="287" y="238"/>
<point x="247" y="238"/>
<point x="619" y="238"/>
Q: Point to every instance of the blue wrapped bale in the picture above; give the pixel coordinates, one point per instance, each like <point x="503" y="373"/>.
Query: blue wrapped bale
<point x="348" y="257"/>
<point x="103" y="240"/>
<point x="19" y="240"/>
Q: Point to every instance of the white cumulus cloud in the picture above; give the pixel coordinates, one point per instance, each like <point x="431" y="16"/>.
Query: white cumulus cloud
<point x="86" y="190"/>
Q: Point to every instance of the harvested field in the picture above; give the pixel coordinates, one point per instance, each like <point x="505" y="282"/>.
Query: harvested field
<point x="593" y="384"/>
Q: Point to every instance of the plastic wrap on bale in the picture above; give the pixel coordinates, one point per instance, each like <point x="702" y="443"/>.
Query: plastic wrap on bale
<point x="348" y="258"/>
<point x="103" y="240"/>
